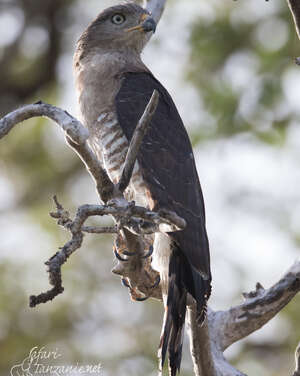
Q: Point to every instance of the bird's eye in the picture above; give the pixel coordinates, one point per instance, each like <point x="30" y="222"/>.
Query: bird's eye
<point x="118" y="19"/>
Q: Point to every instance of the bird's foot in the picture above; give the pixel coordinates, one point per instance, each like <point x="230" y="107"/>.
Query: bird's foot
<point x="125" y="253"/>
<point x="119" y="255"/>
<point x="121" y="249"/>
<point x="156" y="283"/>
<point x="149" y="253"/>
<point x="134" y="293"/>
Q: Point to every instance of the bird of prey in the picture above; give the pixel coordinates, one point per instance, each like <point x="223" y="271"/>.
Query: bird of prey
<point x="114" y="87"/>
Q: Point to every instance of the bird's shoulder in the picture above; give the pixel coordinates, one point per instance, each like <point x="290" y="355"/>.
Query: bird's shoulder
<point x="166" y="126"/>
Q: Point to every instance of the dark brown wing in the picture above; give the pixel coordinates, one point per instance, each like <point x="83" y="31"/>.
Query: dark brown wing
<point x="168" y="168"/>
<point x="167" y="163"/>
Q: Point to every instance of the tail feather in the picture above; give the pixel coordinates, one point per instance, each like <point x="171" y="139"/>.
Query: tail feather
<point x="176" y="337"/>
<point x="182" y="279"/>
<point x="164" y="340"/>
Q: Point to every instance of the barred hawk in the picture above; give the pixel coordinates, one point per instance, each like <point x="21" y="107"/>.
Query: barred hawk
<point x="114" y="87"/>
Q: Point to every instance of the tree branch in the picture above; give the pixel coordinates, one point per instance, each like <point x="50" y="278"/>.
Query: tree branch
<point x="156" y="8"/>
<point x="136" y="141"/>
<point x="100" y="230"/>
<point x="259" y="307"/>
<point x="226" y="327"/>
<point x="72" y="127"/>
<point x="127" y="215"/>
<point x="297" y="361"/>
<point x="294" y="6"/>
<point x="200" y="345"/>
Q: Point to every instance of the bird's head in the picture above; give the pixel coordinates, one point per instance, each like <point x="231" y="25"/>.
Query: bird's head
<point x="122" y="27"/>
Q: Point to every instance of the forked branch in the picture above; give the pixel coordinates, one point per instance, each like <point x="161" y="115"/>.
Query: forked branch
<point x="140" y="221"/>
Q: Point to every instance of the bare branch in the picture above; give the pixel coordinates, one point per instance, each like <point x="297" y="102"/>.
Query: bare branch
<point x="297" y="361"/>
<point x="155" y="7"/>
<point x="200" y="345"/>
<point x="223" y="328"/>
<point x="137" y="271"/>
<point x="166" y="221"/>
<point x="100" y="230"/>
<point x="73" y="128"/>
<point x="294" y="6"/>
<point x="259" y="307"/>
<point x="127" y="216"/>
<point x="136" y="141"/>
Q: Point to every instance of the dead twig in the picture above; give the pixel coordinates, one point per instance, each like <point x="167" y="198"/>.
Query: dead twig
<point x="136" y="141"/>
<point x="127" y="215"/>
<point x="297" y="361"/>
<point x="156" y="8"/>
<point x="294" y="6"/>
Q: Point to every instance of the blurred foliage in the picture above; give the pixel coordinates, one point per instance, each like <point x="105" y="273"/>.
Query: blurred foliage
<point x="237" y="65"/>
<point x="29" y="54"/>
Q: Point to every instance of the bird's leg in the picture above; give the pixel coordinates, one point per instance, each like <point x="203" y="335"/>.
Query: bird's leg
<point x="120" y="248"/>
<point x="142" y="284"/>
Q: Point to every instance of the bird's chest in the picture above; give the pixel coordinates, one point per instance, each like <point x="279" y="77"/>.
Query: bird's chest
<point x="110" y="142"/>
<point x="97" y="87"/>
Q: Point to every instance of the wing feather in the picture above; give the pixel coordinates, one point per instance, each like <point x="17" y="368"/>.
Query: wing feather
<point x="167" y="163"/>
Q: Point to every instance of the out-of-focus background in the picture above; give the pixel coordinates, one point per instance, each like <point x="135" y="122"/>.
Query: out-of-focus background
<point x="229" y="67"/>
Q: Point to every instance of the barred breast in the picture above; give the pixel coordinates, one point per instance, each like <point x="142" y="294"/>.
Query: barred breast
<point x="114" y="146"/>
<point x="110" y="142"/>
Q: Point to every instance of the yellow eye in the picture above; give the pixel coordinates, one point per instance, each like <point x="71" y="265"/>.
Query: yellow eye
<point x="118" y="19"/>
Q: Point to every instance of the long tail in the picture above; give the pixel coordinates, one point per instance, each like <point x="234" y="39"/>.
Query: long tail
<point x="182" y="279"/>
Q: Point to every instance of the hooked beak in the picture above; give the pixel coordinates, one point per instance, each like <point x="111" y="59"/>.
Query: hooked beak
<point x="147" y="24"/>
